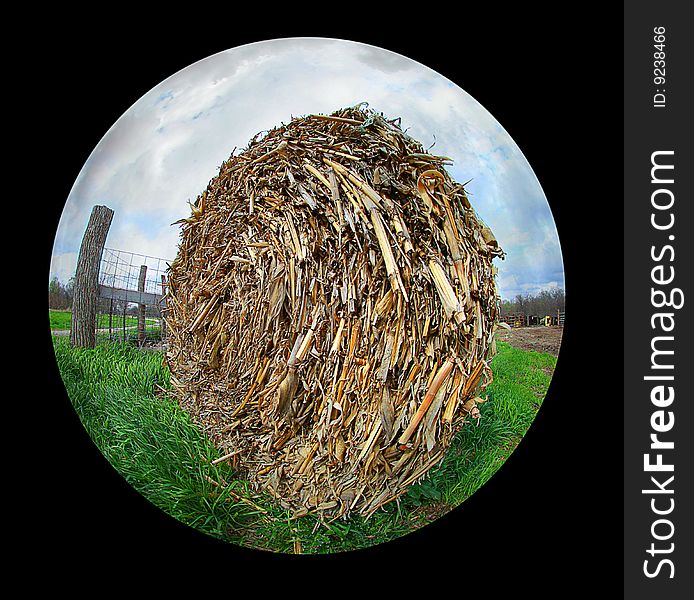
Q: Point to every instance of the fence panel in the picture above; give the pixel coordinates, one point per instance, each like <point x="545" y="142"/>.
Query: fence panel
<point x="131" y="298"/>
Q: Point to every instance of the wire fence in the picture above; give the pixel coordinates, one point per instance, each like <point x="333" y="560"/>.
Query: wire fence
<point x="120" y="269"/>
<point x="132" y="290"/>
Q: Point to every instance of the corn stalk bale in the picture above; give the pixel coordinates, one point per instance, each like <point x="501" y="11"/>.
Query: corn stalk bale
<point x="331" y="311"/>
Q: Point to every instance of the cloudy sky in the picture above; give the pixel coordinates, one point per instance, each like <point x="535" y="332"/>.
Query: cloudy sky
<point x="165" y="148"/>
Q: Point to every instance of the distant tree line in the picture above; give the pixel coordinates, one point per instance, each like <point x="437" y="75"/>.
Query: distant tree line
<point x="546" y="302"/>
<point x="60" y="295"/>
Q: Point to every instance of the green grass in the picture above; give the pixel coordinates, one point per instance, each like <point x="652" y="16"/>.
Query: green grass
<point x="162" y="454"/>
<point x="144" y="435"/>
<point x="62" y="319"/>
<point x="152" y="334"/>
<point x="521" y="380"/>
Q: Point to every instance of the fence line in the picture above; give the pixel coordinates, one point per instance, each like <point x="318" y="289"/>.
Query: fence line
<point x="521" y="319"/>
<point x="132" y="290"/>
<point x="121" y="270"/>
<point x="116" y="292"/>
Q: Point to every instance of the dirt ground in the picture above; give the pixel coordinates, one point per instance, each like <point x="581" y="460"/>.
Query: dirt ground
<point x="539" y="339"/>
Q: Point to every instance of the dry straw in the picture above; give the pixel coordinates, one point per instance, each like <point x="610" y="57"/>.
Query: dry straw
<point x="331" y="311"/>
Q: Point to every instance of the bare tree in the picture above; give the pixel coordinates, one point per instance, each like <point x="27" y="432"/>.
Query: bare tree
<point x="545" y="302"/>
<point x="59" y="294"/>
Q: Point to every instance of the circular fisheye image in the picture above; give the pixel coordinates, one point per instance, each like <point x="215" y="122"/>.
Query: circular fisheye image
<point x="306" y="296"/>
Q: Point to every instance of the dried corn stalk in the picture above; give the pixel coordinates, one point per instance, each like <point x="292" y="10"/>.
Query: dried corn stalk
<point x="331" y="311"/>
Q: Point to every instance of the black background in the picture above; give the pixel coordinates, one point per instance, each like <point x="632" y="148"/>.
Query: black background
<point x="550" y="521"/>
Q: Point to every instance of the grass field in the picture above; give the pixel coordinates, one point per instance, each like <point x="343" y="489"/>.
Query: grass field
<point x="161" y="453"/>
<point x="62" y="319"/>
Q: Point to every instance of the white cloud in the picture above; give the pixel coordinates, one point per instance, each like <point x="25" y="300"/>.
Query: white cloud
<point x="63" y="266"/>
<point x="168" y="145"/>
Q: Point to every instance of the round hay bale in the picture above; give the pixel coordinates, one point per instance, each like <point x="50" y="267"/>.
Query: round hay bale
<point x="331" y="311"/>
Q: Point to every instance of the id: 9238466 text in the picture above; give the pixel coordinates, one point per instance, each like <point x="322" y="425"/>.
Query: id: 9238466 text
<point x="659" y="67"/>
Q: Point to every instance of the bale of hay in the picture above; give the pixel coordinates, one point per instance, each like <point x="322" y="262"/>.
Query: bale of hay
<point x="331" y="311"/>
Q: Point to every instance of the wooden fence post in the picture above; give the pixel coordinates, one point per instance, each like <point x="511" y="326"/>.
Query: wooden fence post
<point x="83" y="329"/>
<point x="162" y="320"/>
<point x="110" y="320"/>
<point x="141" y="313"/>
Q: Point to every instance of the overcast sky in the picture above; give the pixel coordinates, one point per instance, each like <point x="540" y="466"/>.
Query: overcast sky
<point x="165" y="148"/>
